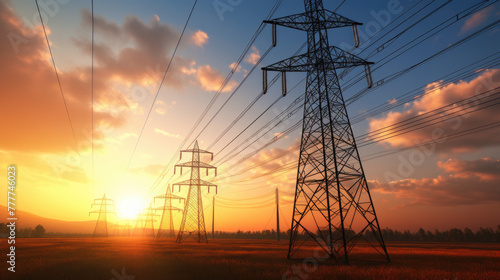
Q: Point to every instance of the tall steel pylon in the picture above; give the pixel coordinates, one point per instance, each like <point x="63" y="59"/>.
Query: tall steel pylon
<point x="101" y="226"/>
<point x="193" y="221"/>
<point x="167" y="216"/>
<point x="332" y="204"/>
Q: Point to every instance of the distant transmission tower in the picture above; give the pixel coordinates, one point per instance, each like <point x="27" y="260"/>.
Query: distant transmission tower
<point x="140" y="225"/>
<point x="331" y="196"/>
<point x="149" y="220"/>
<point x="101" y="226"/>
<point x="193" y="221"/>
<point x="144" y="225"/>
<point x="167" y="217"/>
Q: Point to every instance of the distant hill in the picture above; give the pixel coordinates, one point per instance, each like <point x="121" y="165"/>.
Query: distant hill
<point x="26" y="219"/>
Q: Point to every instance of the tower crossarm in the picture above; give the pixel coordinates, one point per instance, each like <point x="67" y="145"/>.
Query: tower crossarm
<point x="168" y="208"/>
<point x="104" y="199"/>
<point x="195" y="164"/>
<point x="169" y="196"/>
<point x="303" y="63"/>
<point x="195" y="150"/>
<point x="196" y="182"/>
<point x="308" y="20"/>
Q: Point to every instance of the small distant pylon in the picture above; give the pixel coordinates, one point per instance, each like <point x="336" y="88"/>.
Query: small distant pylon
<point x="167" y="217"/>
<point x="115" y="229"/>
<point x="148" y="219"/>
<point x="140" y="224"/>
<point x="101" y="227"/>
<point x="193" y="221"/>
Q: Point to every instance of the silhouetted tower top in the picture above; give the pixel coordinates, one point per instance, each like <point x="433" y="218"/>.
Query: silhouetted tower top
<point x="196" y="164"/>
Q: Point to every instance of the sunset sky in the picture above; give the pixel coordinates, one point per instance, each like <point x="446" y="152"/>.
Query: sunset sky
<point x="454" y="182"/>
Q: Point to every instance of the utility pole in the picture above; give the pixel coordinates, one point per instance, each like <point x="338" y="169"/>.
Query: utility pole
<point x="193" y="220"/>
<point x="277" y="215"/>
<point x="101" y="226"/>
<point x="213" y="217"/>
<point x="167" y="216"/>
<point x="331" y="194"/>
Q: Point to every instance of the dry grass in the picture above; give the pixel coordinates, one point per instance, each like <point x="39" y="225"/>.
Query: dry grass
<point x="85" y="258"/>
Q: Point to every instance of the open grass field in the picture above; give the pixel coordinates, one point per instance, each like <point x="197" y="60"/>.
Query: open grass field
<point x="86" y="258"/>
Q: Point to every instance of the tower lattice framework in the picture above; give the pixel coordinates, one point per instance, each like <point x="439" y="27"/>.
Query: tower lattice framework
<point x="332" y="204"/>
<point x="167" y="217"/>
<point x="101" y="226"/>
<point x="193" y="220"/>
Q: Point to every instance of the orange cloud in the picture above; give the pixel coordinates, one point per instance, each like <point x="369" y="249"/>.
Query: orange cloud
<point x="485" y="168"/>
<point x="32" y="107"/>
<point x="450" y="94"/>
<point x="279" y="156"/>
<point x="30" y="93"/>
<point x="232" y="65"/>
<point x="254" y="56"/>
<point x="476" y="19"/>
<point x="463" y="183"/>
<point x="211" y="79"/>
<point x="146" y="61"/>
<point x="199" y="38"/>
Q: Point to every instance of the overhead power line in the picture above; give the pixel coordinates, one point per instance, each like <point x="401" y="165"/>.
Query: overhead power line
<point x="211" y="103"/>
<point x="466" y="72"/>
<point x="452" y="20"/>
<point x="60" y="87"/>
<point x="392" y="77"/>
<point x="161" y="84"/>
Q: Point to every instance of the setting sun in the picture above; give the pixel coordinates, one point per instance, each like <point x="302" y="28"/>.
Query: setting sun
<point x="128" y="208"/>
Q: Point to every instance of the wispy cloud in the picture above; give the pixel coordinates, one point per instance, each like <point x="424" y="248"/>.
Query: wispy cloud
<point x="163" y="132"/>
<point x="476" y="19"/>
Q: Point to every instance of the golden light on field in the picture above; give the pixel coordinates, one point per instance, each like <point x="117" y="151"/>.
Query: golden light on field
<point x="128" y="207"/>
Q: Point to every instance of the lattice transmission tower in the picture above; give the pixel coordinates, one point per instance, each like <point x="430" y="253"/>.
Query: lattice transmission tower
<point x="145" y="223"/>
<point x="101" y="226"/>
<point x="332" y="204"/>
<point x="167" y="216"/>
<point x="140" y="225"/>
<point x="193" y="220"/>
